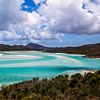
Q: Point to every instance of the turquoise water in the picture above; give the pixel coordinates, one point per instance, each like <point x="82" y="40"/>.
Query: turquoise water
<point x="20" y="66"/>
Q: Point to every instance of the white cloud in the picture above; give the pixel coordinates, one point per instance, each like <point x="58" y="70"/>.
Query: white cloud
<point x="68" y="16"/>
<point x="9" y="36"/>
<point x="9" y="13"/>
<point x="57" y="17"/>
<point x="93" y="6"/>
<point x="12" y="20"/>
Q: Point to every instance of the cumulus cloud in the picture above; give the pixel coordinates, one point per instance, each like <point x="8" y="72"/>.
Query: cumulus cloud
<point x="68" y="16"/>
<point x="9" y="13"/>
<point x="13" y="20"/>
<point x="9" y="36"/>
<point x="50" y="20"/>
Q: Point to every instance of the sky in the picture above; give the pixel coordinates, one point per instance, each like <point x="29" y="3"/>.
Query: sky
<point x="54" y="23"/>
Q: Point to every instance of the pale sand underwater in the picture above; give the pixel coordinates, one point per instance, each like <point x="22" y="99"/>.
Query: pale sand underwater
<point x="24" y="65"/>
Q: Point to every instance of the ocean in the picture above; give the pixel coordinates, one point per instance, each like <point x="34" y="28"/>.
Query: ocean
<point x="18" y="66"/>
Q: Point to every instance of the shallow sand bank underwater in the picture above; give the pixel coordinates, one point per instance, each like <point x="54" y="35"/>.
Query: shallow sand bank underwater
<point x="19" y="66"/>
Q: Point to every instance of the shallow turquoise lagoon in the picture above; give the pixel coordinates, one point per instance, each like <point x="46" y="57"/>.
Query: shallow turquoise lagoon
<point x="20" y="66"/>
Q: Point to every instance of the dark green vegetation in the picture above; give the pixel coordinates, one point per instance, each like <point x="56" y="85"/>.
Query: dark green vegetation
<point x="90" y="50"/>
<point x="62" y="87"/>
<point x="30" y="46"/>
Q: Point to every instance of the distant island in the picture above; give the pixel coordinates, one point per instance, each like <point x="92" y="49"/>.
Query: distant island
<point x="90" y="50"/>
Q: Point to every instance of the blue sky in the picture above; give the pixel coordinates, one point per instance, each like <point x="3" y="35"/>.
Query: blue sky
<point x="51" y="23"/>
<point x="73" y="40"/>
<point x="31" y="5"/>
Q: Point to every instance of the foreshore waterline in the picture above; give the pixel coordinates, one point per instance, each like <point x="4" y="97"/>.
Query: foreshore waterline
<point x="18" y="66"/>
<point x="68" y="73"/>
<point x="70" y="87"/>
